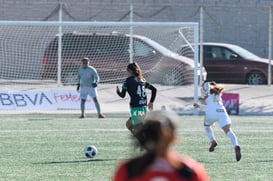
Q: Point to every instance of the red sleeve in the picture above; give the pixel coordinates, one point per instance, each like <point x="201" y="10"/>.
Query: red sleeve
<point x="200" y="173"/>
<point x="121" y="173"/>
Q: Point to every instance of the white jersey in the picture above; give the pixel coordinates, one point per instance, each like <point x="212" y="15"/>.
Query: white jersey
<point x="216" y="111"/>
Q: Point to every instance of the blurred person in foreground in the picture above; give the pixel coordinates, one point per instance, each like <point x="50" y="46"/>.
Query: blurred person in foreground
<point x="88" y="79"/>
<point x="216" y="112"/>
<point x="136" y="85"/>
<point x="159" y="161"/>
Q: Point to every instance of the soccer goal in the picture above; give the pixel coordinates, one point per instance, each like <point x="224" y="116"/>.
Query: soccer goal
<point x="51" y="51"/>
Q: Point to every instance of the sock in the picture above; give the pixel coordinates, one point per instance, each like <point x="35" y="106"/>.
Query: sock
<point x="82" y="107"/>
<point x="97" y="107"/>
<point x="232" y="137"/>
<point x="209" y="133"/>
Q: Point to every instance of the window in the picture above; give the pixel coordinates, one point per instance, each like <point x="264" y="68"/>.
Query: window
<point x="217" y="52"/>
<point x="141" y="49"/>
<point x="228" y="55"/>
<point x="208" y="52"/>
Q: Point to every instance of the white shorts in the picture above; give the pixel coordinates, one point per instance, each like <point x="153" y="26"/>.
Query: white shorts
<point x="85" y="91"/>
<point x="222" y="118"/>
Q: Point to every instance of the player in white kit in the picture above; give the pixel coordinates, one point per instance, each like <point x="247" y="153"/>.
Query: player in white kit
<point x="216" y="112"/>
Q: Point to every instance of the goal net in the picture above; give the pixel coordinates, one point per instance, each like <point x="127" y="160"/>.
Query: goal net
<point x="41" y="53"/>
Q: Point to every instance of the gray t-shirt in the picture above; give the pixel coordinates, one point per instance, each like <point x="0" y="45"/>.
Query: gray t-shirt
<point x="87" y="76"/>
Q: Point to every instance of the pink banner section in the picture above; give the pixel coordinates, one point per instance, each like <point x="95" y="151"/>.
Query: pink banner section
<point x="231" y="102"/>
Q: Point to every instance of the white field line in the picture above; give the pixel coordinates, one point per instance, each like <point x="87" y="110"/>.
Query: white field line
<point x="122" y="130"/>
<point x="61" y="130"/>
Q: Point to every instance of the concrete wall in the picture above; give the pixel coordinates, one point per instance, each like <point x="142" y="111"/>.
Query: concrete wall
<point x="242" y="22"/>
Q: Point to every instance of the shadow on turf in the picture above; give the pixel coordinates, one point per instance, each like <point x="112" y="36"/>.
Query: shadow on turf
<point x="78" y="161"/>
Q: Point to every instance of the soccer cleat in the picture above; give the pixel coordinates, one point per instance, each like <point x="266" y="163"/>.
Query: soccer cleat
<point x="213" y="144"/>
<point x="237" y="150"/>
<point x="82" y="116"/>
<point x="101" y="116"/>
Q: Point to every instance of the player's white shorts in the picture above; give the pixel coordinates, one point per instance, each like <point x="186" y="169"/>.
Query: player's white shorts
<point x="85" y="91"/>
<point x="221" y="117"/>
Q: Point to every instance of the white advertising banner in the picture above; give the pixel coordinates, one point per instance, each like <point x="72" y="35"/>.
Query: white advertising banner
<point x="42" y="100"/>
<point x="5" y="101"/>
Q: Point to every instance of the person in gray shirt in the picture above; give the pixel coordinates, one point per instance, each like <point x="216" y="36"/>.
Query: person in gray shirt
<point x="88" y="79"/>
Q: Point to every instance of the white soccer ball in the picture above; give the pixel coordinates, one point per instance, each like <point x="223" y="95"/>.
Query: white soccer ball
<point x="90" y="151"/>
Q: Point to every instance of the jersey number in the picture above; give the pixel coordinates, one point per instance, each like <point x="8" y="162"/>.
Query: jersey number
<point x="141" y="92"/>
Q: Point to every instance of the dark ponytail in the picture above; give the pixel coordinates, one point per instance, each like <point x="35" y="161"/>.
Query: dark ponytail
<point x="135" y="68"/>
<point x="148" y="137"/>
<point x="216" y="88"/>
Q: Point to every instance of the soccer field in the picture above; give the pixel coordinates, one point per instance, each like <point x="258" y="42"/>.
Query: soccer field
<point x="50" y="147"/>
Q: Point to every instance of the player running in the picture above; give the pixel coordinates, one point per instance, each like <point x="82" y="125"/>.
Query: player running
<point x="136" y="86"/>
<point x="215" y="111"/>
<point x="88" y="79"/>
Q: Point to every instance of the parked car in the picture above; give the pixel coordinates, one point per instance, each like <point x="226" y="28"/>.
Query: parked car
<point x="109" y="54"/>
<point x="228" y="63"/>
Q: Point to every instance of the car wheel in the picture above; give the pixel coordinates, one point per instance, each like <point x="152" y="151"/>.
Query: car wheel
<point x="69" y="77"/>
<point x="255" y="78"/>
<point x="171" y="76"/>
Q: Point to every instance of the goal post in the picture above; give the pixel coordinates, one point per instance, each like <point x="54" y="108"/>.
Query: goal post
<point x="39" y="51"/>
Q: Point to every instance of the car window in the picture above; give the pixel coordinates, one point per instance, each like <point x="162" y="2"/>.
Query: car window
<point x="159" y="48"/>
<point x="95" y="45"/>
<point x="75" y="45"/>
<point x="110" y="45"/>
<point x="217" y="53"/>
<point x="207" y="51"/>
<point x="228" y="55"/>
<point x="244" y="53"/>
<point x="141" y="49"/>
